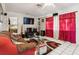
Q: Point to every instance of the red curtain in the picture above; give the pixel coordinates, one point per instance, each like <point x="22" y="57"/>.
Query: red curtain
<point x="49" y="27"/>
<point x="67" y="28"/>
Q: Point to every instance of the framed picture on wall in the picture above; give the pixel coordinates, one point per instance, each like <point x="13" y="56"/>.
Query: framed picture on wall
<point x="42" y="20"/>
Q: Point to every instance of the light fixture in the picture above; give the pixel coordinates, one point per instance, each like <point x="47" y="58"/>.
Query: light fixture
<point x="44" y="5"/>
<point x="49" y="4"/>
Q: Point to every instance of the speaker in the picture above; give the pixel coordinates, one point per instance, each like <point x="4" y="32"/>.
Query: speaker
<point x="55" y="14"/>
<point x="5" y="14"/>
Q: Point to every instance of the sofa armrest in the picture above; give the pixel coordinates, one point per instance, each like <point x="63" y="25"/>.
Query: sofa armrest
<point x="29" y="52"/>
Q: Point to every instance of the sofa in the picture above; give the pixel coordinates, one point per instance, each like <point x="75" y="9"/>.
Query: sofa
<point x="7" y="47"/>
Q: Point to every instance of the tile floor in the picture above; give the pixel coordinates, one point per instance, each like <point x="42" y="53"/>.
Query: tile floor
<point x="66" y="48"/>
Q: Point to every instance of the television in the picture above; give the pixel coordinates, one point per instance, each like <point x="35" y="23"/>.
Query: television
<point x="27" y="20"/>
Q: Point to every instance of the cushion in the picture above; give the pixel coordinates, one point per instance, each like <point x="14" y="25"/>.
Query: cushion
<point x="6" y="46"/>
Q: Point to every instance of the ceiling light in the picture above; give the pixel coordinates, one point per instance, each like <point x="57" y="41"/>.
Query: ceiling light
<point x="49" y="4"/>
<point x="43" y="5"/>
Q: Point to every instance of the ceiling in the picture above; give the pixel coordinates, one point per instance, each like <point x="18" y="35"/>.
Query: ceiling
<point x="34" y="10"/>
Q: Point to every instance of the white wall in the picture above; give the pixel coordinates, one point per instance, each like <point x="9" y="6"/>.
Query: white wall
<point x="56" y="27"/>
<point x="0" y="18"/>
<point x="5" y="23"/>
<point x="62" y="11"/>
<point x="20" y="20"/>
<point x="0" y="27"/>
<point x="42" y="24"/>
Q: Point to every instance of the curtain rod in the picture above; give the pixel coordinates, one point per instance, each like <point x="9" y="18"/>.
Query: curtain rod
<point x="72" y="11"/>
<point x="68" y="12"/>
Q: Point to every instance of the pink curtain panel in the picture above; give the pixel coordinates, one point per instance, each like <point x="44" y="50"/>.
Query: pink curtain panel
<point x="67" y="27"/>
<point x="49" y="27"/>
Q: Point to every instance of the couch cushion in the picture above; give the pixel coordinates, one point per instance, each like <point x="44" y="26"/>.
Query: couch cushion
<point x="7" y="47"/>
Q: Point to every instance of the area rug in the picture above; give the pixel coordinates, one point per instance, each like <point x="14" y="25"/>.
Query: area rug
<point x="53" y="45"/>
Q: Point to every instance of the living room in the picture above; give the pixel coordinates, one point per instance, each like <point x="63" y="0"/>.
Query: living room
<point x="39" y="29"/>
